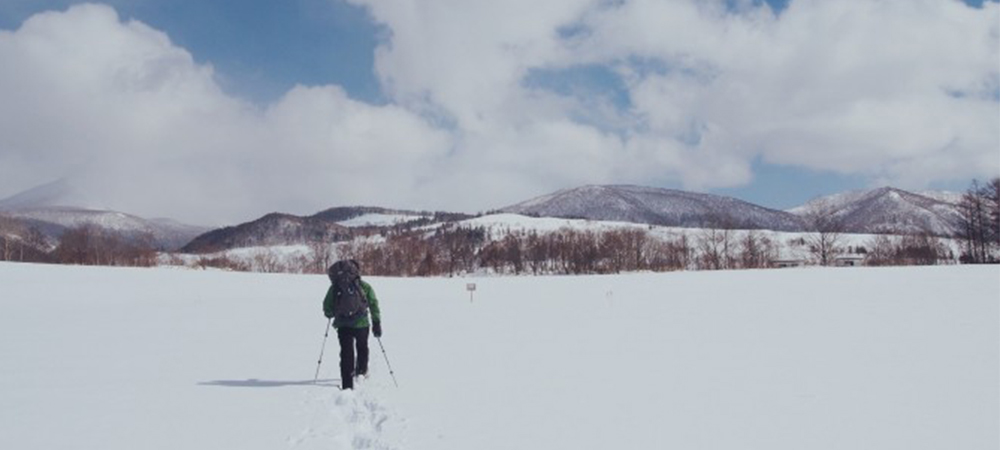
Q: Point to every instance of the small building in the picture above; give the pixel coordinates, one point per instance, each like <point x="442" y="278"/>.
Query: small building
<point x="790" y="256"/>
<point x="782" y="263"/>
<point x="849" y="260"/>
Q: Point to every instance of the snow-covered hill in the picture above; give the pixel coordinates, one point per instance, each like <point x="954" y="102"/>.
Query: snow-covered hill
<point x="53" y="221"/>
<point x="656" y="206"/>
<point x="271" y="230"/>
<point x="819" y="359"/>
<point x="54" y="207"/>
<point x="56" y="193"/>
<point x="370" y="216"/>
<point x="949" y="197"/>
<point x="888" y="210"/>
<point x="328" y="226"/>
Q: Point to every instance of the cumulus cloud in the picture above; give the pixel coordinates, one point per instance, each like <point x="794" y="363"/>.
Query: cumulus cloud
<point x="904" y="92"/>
<point x="137" y="125"/>
<point x="855" y="86"/>
<point x="491" y="102"/>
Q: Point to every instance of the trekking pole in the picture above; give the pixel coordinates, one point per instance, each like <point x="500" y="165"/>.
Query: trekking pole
<point x="321" y="349"/>
<point x="391" y="373"/>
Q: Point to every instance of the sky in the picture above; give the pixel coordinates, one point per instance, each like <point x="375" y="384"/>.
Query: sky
<point x="215" y="112"/>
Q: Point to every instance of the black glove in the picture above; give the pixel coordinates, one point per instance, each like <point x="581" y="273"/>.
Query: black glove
<point x="377" y="329"/>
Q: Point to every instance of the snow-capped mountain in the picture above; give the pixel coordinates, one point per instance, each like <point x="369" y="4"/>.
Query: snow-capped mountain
<point x="54" y="207"/>
<point x="656" y="206"/>
<point x="943" y="196"/>
<point x="64" y="192"/>
<point x="54" y="221"/>
<point x="888" y="210"/>
<point x="49" y="194"/>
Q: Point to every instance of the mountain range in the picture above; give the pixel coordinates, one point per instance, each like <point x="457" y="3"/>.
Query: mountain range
<point x="55" y="207"/>
<point x="883" y="210"/>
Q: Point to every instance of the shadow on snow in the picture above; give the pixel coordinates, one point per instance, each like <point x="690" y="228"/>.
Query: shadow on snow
<point x="255" y="383"/>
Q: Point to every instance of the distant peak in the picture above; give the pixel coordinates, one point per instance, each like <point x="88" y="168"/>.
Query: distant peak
<point x="54" y="193"/>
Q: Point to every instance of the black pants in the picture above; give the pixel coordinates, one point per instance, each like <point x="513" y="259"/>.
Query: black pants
<point x="349" y="338"/>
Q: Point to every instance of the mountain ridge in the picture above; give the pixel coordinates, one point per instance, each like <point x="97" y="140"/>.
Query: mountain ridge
<point x="888" y="210"/>
<point x="881" y="210"/>
<point x="655" y="206"/>
<point x="53" y="221"/>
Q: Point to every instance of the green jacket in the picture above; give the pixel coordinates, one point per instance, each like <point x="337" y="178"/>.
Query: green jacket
<point x="361" y="322"/>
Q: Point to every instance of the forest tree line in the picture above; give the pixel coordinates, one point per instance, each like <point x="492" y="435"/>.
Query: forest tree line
<point x="980" y="224"/>
<point x="83" y="245"/>
<point x="453" y="249"/>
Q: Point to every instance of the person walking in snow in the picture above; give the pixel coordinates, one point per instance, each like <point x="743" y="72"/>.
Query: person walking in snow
<point x="348" y="302"/>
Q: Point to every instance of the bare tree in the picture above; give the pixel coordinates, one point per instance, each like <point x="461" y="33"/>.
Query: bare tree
<point x="673" y="253"/>
<point x="76" y="246"/>
<point x="827" y="233"/>
<point x="612" y="248"/>
<point x="539" y="255"/>
<point x="756" y="250"/>
<point x="714" y="249"/>
<point x="321" y="256"/>
<point x="991" y="193"/>
<point x="267" y="262"/>
<point x="881" y="250"/>
<point x="459" y="248"/>
<point x="975" y="228"/>
<point x="37" y="239"/>
<point x="920" y="249"/>
<point x="634" y="240"/>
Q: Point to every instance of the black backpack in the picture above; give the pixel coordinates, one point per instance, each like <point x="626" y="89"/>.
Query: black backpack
<point x="350" y="301"/>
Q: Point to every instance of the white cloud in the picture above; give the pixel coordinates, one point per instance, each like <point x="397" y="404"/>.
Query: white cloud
<point x="851" y="86"/>
<point x="858" y="87"/>
<point x="139" y="126"/>
<point x="902" y="91"/>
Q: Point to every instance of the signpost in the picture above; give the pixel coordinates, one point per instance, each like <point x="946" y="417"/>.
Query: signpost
<point x="471" y="287"/>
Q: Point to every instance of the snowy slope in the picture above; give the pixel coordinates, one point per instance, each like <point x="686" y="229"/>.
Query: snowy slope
<point x="75" y="217"/>
<point x="62" y="192"/>
<point x="889" y="210"/>
<point x="657" y="206"/>
<point x="274" y="229"/>
<point x="54" y="207"/>
<point x="379" y="220"/>
<point x="898" y="358"/>
<point x="951" y="197"/>
<point x="54" y="221"/>
<point x="331" y="225"/>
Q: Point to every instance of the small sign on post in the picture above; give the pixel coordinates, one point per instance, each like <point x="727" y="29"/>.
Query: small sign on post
<point x="471" y="287"/>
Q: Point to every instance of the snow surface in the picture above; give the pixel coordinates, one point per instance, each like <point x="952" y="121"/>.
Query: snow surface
<point x="944" y="196"/>
<point x="641" y="204"/>
<point x="879" y="358"/>
<point x="379" y="220"/>
<point x="72" y="217"/>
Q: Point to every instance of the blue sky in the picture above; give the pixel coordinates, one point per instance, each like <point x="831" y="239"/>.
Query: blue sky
<point x="261" y="48"/>
<point x="650" y="107"/>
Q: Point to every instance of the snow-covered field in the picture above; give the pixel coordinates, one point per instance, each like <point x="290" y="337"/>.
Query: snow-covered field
<point x="859" y="358"/>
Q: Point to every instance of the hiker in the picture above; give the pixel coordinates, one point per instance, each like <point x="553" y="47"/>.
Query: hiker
<point x="348" y="302"/>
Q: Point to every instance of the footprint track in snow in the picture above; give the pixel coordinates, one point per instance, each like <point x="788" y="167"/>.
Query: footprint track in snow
<point x="336" y="419"/>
